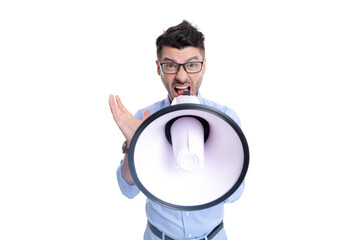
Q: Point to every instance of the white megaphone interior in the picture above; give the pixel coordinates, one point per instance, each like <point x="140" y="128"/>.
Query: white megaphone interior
<point x="157" y="169"/>
<point x="187" y="136"/>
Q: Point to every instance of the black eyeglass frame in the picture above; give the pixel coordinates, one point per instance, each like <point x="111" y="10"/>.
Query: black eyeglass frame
<point x="181" y="64"/>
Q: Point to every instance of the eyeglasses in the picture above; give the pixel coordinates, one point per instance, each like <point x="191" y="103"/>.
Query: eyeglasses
<point x="173" y="68"/>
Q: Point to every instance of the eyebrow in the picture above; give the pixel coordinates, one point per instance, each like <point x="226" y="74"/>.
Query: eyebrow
<point x="188" y="60"/>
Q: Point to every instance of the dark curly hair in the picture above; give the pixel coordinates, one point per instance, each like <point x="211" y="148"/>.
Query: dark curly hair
<point x="181" y="36"/>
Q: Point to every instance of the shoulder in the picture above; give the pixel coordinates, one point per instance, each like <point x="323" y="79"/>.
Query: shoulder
<point x="152" y="108"/>
<point x="222" y="108"/>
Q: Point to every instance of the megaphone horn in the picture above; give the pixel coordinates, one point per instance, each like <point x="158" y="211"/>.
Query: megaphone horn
<point x="188" y="156"/>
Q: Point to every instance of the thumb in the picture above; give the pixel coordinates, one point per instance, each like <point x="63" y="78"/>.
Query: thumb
<point x="146" y="115"/>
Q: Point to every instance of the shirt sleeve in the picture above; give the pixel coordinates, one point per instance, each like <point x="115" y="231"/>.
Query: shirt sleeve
<point x="236" y="195"/>
<point x="233" y="116"/>
<point x="130" y="191"/>
<point x="139" y="114"/>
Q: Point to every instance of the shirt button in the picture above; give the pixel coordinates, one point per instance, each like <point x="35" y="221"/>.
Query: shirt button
<point x="187" y="214"/>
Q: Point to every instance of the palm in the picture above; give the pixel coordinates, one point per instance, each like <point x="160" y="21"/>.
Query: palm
<point x="127" y="123"/>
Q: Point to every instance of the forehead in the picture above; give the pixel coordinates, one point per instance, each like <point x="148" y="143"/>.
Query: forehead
<point x="180" y="55"/>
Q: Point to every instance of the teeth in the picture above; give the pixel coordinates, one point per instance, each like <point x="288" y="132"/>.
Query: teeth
<point x="183" y="87"/>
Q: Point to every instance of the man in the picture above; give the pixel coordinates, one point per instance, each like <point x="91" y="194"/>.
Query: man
<point x="181" y="64"/>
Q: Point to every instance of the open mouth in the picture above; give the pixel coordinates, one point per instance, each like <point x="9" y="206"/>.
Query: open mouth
<point x="181" y="89"/>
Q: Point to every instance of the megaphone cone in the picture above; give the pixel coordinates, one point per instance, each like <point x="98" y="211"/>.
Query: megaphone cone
<point x="188" y="156"/>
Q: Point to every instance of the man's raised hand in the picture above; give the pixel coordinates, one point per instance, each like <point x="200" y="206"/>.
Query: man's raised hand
<point x="127" y="123"/>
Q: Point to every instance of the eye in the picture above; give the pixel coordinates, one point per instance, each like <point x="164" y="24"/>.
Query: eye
<point x="192" y="65"/>
<point x="170" y="65"/>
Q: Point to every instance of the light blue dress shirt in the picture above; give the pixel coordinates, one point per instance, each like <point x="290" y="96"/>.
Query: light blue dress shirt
<point x="175" y="223"/>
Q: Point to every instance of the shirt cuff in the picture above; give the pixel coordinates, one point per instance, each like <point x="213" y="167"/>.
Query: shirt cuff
<point x="130" y="191"/>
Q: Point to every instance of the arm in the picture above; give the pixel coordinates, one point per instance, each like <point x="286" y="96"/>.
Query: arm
<point x="128" y="124"/>
<point x="125" y="170"/>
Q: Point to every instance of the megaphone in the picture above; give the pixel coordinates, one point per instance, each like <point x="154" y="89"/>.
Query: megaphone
<point x="188" y="156"/>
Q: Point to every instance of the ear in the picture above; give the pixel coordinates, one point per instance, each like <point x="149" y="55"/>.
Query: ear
<point x="158" y="66"/>
<point x="204" y="66"/>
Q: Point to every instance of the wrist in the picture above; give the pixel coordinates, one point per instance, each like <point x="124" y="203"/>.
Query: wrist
<point x="125" y="148"/>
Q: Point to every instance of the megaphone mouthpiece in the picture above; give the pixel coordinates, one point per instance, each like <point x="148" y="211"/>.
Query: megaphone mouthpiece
<point x="185" y="98"/>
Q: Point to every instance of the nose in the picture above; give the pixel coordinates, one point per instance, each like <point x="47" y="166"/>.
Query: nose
<point x="182" y="75"/>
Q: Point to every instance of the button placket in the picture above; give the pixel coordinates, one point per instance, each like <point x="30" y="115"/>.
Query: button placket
<point x="186" y="215"/>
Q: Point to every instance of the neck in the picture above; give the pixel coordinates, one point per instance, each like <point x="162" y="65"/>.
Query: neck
<point x="170" y="99"/>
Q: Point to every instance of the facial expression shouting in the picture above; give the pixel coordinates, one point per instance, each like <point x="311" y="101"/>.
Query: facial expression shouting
<point x="177" y="83"/>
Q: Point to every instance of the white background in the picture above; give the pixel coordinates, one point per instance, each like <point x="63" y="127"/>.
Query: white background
<point x="290" y="69"/>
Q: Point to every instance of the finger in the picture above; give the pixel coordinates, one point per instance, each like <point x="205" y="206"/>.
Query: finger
<point x="117" y="115"/>
<point x="146" y="115"/>
<point x="112" y="104"/>
<point x="118" y="101"/>
<point x="111" y="99"/>
<point x="120" y="104"/>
